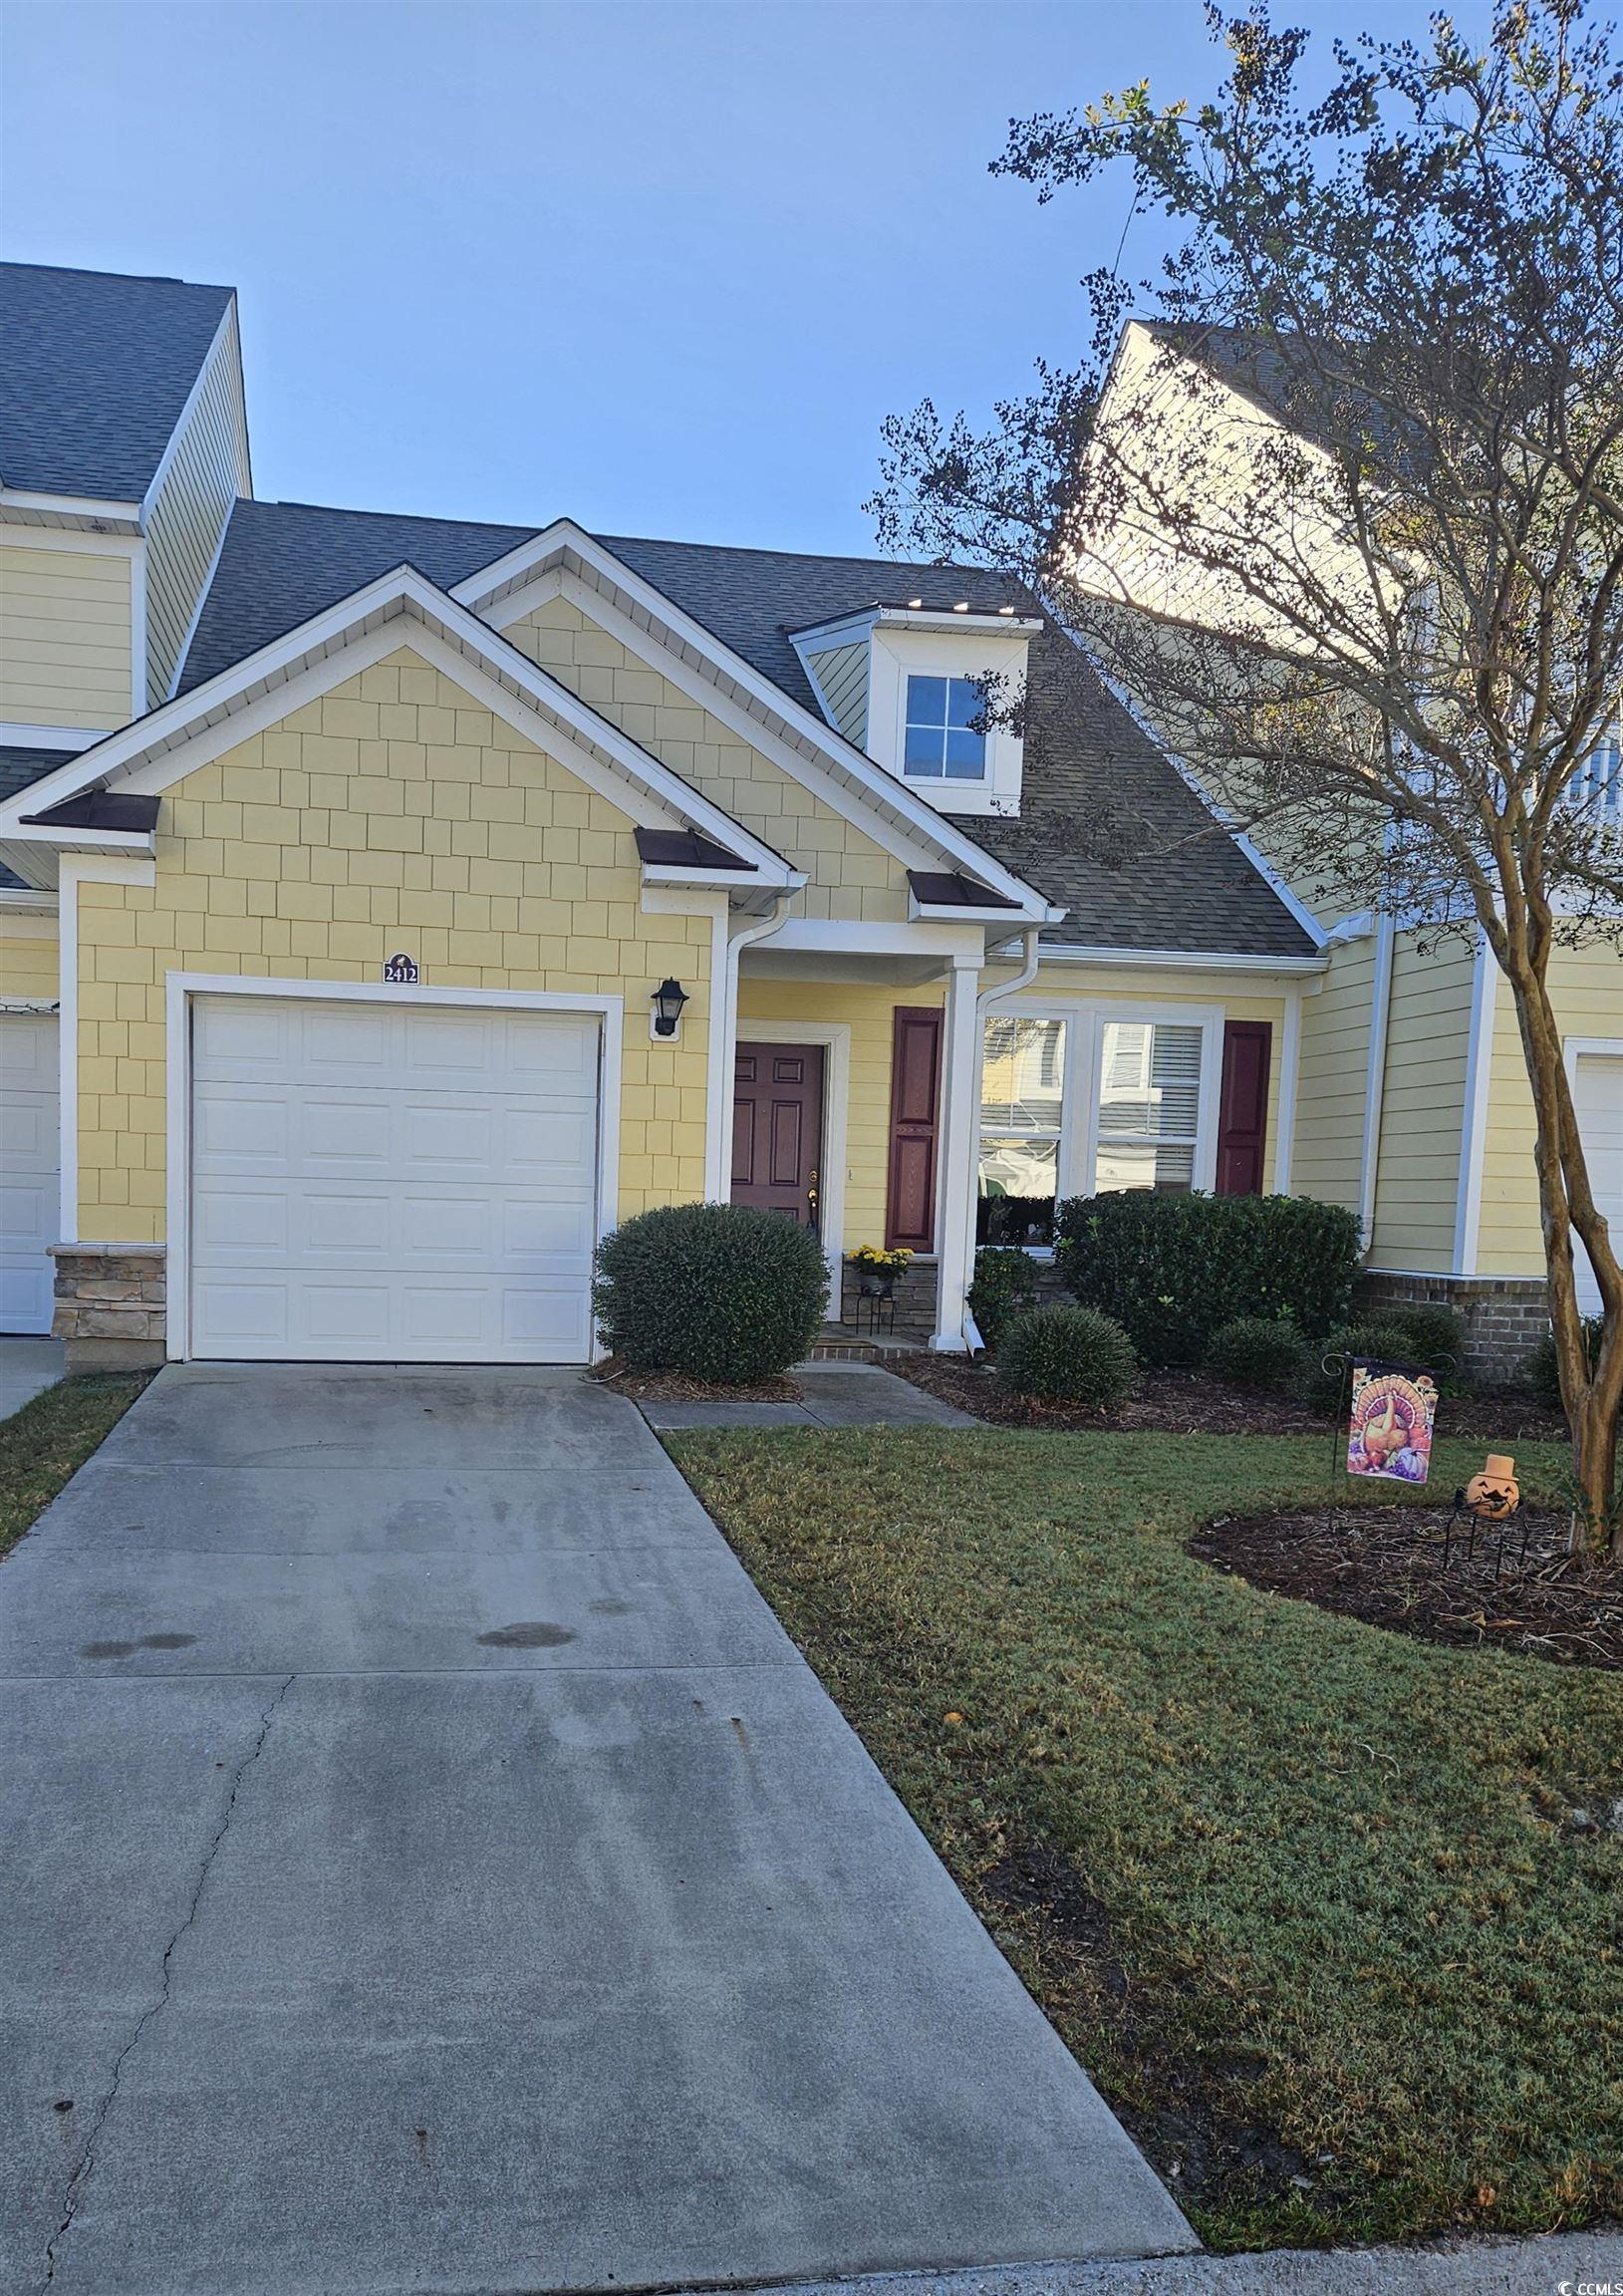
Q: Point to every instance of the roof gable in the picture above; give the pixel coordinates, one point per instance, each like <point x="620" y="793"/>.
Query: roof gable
<point x="96" y="371"/>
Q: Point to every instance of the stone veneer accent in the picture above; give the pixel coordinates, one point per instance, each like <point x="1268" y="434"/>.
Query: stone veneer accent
<point x="109" y="1305"/>
<point x="1504" y="1315"/>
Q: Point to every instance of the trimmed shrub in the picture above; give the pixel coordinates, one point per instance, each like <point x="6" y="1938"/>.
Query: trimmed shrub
<point x="1173" y="1269"/>
<point x="1433" y="1332"/>
<point x="1258" y="1351"/>
<point x="1005" y="1285"/>
<point x="1067" y="1356"/>
<point x="719" y="1291"/>
<point x="1539" y="1369"/>
<point x="1384" y="1342"/>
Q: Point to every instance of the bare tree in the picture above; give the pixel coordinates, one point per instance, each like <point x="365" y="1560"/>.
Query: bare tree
<point x="1347" y="508"/>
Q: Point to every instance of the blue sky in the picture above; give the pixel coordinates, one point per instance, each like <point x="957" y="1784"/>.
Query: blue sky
<point x="665" y="268"/>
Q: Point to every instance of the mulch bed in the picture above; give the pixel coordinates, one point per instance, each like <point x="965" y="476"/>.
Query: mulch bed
<point x="1186" y="1403"/>
<point x="677" y="1387"/>
<point x="1384" y="1565"/>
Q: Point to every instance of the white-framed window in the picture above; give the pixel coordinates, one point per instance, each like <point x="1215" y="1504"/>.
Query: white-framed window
<point x="1080" y="1098"/>
<point x="1597" y="786"/>
<point x="1022" y="1109"/>
<point x="944" y="736"/>
<point x="1149" y="1110"/>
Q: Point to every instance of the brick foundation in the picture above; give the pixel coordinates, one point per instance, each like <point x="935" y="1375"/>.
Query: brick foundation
<point x="1504" y="1315"/>
<point x="110" y="1306"/>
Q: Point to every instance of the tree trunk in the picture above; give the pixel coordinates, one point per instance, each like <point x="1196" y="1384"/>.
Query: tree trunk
<point x="1590" y="1394"/>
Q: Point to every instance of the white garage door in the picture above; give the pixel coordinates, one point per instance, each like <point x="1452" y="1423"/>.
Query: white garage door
<point x="1597" y="1095"/>
<point x="396" y="1183"/>
<point x="30" y="1182"/>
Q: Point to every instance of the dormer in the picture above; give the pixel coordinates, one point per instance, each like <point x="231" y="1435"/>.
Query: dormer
<point x="908" y="683"/>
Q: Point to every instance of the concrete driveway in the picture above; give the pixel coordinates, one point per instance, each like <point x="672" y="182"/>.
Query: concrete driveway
<point x="428" y="1866"/>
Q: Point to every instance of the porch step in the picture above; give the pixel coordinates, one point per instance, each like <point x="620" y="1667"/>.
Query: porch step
<point x="838" y="1344"/>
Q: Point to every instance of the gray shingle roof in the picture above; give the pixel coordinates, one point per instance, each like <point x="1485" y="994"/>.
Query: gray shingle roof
<point x="282" y="562"/>
<point x="1108" y="828"/>
<point x="19" y="771"/>
<point x="95" y="371"/>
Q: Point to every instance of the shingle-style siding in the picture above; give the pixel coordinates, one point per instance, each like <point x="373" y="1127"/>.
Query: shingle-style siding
<point x="64" y="636"/>
<point x="391" y="813"/>
<point x="206" y="473"/>
<point x="842" y="674"/>
<point x="96" y="371"/>
<point x="849" y="875"/>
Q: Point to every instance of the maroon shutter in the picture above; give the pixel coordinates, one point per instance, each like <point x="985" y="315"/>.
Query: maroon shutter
<point x="1243" y="1121"/>
<point x="916" y="1077"/>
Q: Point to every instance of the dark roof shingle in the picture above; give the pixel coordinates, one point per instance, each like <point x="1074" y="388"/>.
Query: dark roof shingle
<point x="1108" y="828"/>
<point x="95" y="372"/>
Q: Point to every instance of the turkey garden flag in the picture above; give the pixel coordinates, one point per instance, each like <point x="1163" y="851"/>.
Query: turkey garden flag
<point x="1391" y="1430"/>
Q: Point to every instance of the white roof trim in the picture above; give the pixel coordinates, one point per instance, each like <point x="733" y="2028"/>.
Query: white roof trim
<point x="651" y="610"/>
<point x="160" y="748"/>
<point x="1191" y="960"/>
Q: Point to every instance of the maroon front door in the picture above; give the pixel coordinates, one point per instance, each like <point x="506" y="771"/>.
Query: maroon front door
<point x="778" y="1128"/>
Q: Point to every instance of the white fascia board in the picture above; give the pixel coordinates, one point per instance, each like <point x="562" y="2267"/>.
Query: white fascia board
<point x="25" y="904"/>
<point x="66" y="505"/>
<point x="1191" y="960"/>
<point x="844" y="630"/>
<point x="14" y="736"/>
<point x="400" y="608"/>
<point x="847" y="936"/>
<point x="945" y="912"/>
<point x="1021" y="626"/>
<point x="484" y="591"/>
<point x="718" y="880"/>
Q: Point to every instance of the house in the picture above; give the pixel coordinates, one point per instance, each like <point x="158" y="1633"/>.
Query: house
<point x="390" y="904"/>
<point x="1413" y="1104"/>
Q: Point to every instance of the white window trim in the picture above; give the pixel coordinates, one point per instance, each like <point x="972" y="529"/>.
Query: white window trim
<point x="183" y="987"/>
<point x="1085" y="1020"/>
<point x="896" y="655"/>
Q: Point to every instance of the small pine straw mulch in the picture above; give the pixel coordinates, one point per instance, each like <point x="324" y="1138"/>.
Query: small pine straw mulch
<point x="677" y="1387"/>
<point x="1189" y="1403"/>
<point x="1384" y="1565"/>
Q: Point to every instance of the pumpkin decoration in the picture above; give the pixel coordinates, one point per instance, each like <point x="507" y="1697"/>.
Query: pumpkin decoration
<point x="1494" y="1492"/>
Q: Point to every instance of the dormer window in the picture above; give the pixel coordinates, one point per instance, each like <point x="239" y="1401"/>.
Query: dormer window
<point x="909" y="684"/>
<point x="940" y="740"/>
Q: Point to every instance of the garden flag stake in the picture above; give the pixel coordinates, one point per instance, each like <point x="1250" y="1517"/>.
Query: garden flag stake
<point x="1390" y="1429"/>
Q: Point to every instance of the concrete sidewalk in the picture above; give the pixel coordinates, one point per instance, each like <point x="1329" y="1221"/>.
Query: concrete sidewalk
<point x="431" y="1867"/>
<point x="1561" y="2264"/>
<point x="833" y="1395"/>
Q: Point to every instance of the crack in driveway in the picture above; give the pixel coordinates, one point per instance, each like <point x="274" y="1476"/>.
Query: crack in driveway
<point x="85" y="2164"/>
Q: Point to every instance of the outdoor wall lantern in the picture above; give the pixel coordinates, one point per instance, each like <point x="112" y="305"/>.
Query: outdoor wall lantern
<point x="668" y="1000"/>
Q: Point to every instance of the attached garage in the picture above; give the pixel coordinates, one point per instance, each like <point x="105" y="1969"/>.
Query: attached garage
<point x="387" y="1181"/>
<point x="1597" y="1095"/>
<point x="30" y="1184"/>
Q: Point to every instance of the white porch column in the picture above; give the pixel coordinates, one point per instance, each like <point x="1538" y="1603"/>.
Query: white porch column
<point x="960" y="1109"/>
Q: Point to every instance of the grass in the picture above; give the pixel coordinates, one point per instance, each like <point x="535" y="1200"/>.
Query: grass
<point x="1305" y="1897"/>
<point x="49" y="1439"/>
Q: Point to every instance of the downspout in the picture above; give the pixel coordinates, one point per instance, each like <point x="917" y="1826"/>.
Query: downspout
<point x="737" y="941"/>
<point x="1022" y="979"/>
<point x="1380" y="1013"/>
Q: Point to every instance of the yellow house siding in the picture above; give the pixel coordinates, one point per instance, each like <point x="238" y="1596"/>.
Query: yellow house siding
<point x="868" y="1011"/>
<point x="206" y="474"/>
<point x="27" y="968"/>
<point x="849" y="876"/>
<point x="394" y="813"/>
<point x="1587" y="989"/>
<point x="1334" y="1074"/>
<point x="64" y="636"/>
<point x="1423" y="1105"/>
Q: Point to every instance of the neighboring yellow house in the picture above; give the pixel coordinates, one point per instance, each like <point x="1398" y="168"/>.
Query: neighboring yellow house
<point x="1413" y="1104"/>
<point x="391" y="904"/>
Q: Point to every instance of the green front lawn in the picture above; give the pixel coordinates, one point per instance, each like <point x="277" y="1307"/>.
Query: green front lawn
<point x="1305" y="1897"/>
<point x="49" y="1439"/>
